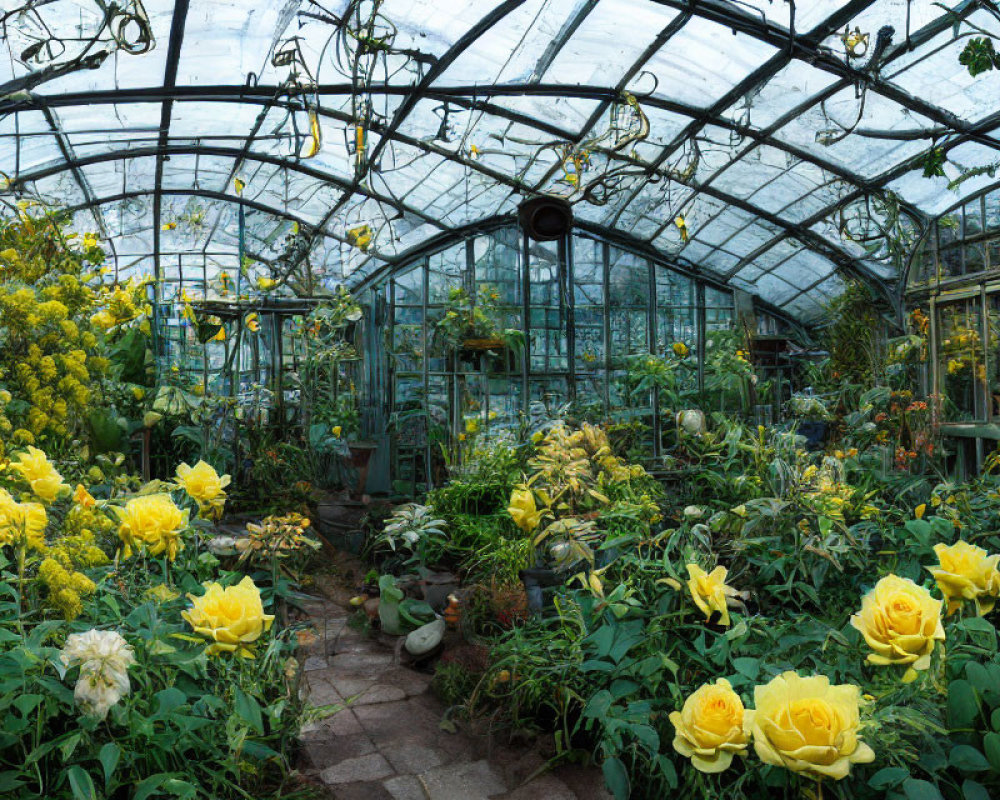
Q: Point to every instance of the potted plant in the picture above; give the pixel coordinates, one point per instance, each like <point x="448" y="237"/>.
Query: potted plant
<point x="472" y="325"/>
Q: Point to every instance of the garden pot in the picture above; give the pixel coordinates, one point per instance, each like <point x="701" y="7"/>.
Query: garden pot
<point x="536" y="580"/>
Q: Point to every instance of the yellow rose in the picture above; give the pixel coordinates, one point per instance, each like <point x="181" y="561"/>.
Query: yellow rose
<point x="900" y="622"/>
<point x="204" y="484"/>
<point x="336" y="430"/>
<point x="83" y="498"/>
<point x="233" y="618"/>
<point x="920" y="510"/>
<point x="808" y="726"/>
<point x="709" y="728"/>
<point x="710" y="591"/>
<point x="680" y="349"/>
<point x="151" y="522"/>
<point x="523" y="511"/>
<point x="966" y="572"/>
<point x="36" y="469"/>
<point x="22" y="520"/>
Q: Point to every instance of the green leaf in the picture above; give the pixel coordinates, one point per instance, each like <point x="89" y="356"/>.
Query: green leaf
<point x="149" y="785"/>
<point x="968" y="759"/>
<point x="916" y="789"/>
<point x="979" y="56"/>
<point x="248" y="709"/>
<point x="68" y="745"/>
<point x="598" y="704"/>
<point x="109" y="756"/>
<point x="167" y="700"/>
<point x="991" y="746"/>
<point x="669" y="771"/>
<point x="933" y="163"/>
<point x="81" y="784"/>
<point x="974" y="791"/>
<point x="963" y="705"/>
<point x="888" y="777"/>
<point x="616" y="777"/>
<point x="750" y="667"/>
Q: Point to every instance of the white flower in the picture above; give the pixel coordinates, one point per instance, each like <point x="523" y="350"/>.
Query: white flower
<point x="104" y="658"/>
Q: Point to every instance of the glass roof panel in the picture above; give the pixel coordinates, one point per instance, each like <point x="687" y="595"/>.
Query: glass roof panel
<point x="441" y="118"/>
<point x="688" y="68"/>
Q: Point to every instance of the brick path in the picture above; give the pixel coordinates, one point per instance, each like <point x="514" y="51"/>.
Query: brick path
<point x="378" y="734"/>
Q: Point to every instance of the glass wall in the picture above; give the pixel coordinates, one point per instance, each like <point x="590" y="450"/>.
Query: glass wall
<point x="544" y="329"/>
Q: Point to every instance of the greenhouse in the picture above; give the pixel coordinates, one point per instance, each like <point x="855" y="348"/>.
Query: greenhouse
<point x="515" y="399"/>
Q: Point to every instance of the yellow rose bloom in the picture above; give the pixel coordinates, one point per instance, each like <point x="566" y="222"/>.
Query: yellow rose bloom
<point x="709" y="727"/>
<point x="808" y="726"/>
<point x="152" y="523"/>
<point x="680" y="349"/>
<point x="966" y="572"/>
<point x="233" y="618"/>
<point x="523" y="510"/>
<point x="900" y="622"/>
<point x="920" y="510"/>
<point x="710" y="591"/>
<point x="22" y="520"/>
<point x="83" y="498"/>
<point x="205" y="486"/>
<point x="35" y="468"/>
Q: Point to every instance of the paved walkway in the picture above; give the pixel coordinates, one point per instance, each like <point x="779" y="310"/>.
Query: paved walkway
<point x="378" y="734"/>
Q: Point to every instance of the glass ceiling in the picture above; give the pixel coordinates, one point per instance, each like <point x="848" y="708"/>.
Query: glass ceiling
<point x="752" y="140"/>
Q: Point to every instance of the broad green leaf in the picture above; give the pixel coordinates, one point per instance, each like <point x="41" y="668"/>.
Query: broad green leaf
<point x="750" y="667"/>
<point x="598" y="704"/>
<point x="916" y="789"/>
<point x="147" y="786"/>
<point x="974" y="791"/>
<point x="109" y="756"/>
<point x="616" y="777"/>
<point x="668" y="770"/>
<point x="888" y="777"/>
<point x="963" y="705"/>
<point x="968" y="759"/>
<point x="248" y="709"/>
<point x="991" y="746"/>
<point x="81" y="784"/>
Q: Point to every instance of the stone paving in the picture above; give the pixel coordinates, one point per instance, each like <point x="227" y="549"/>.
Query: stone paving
<point x="377" y="733"/>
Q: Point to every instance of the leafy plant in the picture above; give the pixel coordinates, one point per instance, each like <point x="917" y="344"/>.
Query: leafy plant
<point x="414" y="533"/>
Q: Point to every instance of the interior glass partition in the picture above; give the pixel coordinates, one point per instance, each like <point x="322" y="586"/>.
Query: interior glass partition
<point x="573" y="315"/>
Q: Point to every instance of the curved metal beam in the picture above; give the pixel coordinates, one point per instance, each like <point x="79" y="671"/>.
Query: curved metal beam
<point x="293" y="165"/>
<point x="839" y="256"/>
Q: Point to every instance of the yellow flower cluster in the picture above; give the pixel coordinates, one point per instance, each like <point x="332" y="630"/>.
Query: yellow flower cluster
<point x="66" y="588"/>
<point x="121" y="304"/>
<point x="75" y="550"/>
<point x="45" y="306"/>
<point x="803" y="724"/>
